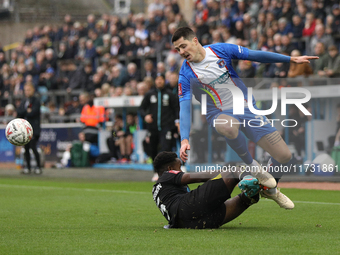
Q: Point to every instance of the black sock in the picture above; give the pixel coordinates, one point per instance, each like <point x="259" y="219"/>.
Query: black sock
<point x="248" y="201"/>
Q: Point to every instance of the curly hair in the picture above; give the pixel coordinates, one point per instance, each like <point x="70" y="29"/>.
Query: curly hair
<point x="163" y="160"/>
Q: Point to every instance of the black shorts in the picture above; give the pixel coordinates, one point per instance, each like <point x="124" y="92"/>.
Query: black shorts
<point x="204" y="207"/>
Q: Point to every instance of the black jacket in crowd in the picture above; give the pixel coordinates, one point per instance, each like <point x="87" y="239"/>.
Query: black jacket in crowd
<point x="32" y="117"/>
<point x="168" y="107"/>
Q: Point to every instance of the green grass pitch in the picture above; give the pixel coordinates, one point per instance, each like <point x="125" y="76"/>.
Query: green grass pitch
<point x="40" y="216"/>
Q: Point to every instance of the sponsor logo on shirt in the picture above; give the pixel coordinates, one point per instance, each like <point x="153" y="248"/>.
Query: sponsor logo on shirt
<point x="180" y="93"/>
<point x="221" y="80"/>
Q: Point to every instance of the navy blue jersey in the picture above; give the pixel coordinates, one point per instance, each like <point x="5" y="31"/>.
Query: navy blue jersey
<point x="168" y="192"/>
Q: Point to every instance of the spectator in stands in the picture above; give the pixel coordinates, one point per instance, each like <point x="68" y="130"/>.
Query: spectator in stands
<point x="51" y="60"/>
<point x="149" y="69"/>
<point x="48" y="79"/>
<point x="141" y="88"/>
<point x="117" y="77"/>
<point x="82" y="78"/>
<point x="91" y="53"/>
<point x="29" y="109"/>
<point x="133" y="72"/>
<point x="332" y="63"/>
<point x="296" y="70"/>
<point x="10" y="113"/>
<point x="297" y="27"/>
<point x="81" y="49"/>
<point x="246" y="70"/>
<point x="105" y="90"/>
<point x="74" y="107"/>
<point x="320" y="64"/>
<point x="160" y="69"/>
<point x="160" y="110"/>
<point x="310" y="24"/>
<point x="287" y="46"/>
<point x="97" y="83"/>
<point x="125" y="138"/>
<point x="318" y="10"/>
<point x="320" y="36"/>
<point x="173" y="83"/>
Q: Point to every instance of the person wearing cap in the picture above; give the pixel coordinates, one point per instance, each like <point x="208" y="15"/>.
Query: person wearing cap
<point x="160" y="111"/>
<point x="48" y="79"/>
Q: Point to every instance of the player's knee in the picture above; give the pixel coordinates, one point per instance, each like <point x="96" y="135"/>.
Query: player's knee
<point x="284" y="157"/>
<point x="229" y="132"/>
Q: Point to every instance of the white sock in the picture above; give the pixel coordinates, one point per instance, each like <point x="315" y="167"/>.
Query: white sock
<point x="271" y="191"/>
<point x="254" y="166"/>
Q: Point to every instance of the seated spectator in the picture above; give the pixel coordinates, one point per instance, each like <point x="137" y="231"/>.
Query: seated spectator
<point x="113" y="142"/>
<point x="310" y="24"/>
<point x="149" y="69"/>
<point x="105" y="90"/>
<point x="297" y="27"/>
<point x="299" y="69"/>
<point x="246" y="70"/>
<point x="320" y="36"/>
<point x="332" y="68"/>
<point x="90" y="52"/>
<point x="133" y="72"/>
<point x="74" y="108"/>
<point x="48" y="79"/>
<point x="172" y="64"/>
<point x="320" y="64"/>
<point x="125" y="138"/>
<point x="117" y="77"/>
<point x="82" y="78"/>
<point x="287" y="46"/>
<point x="161" y="68"/>
<point x="51" y="59"/>
<point x="142" y="89"/>
<point x="10" y="113"/>
<point x="284" y="27"/>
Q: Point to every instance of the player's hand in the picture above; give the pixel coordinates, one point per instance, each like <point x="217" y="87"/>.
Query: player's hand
<point x="148" y="118"/>
<point x="183" y="151"/>
<point x="302" y="59"/>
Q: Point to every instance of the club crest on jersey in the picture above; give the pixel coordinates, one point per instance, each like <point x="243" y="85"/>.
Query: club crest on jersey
<point x="221" y="63"/>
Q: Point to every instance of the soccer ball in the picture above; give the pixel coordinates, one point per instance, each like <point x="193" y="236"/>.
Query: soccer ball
<point x="19" y="132"/>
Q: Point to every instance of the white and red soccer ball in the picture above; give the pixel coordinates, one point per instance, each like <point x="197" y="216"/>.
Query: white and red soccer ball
<point x="19" y="132"/>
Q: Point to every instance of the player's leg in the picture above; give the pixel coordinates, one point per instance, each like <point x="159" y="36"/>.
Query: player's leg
<point x="280" y="161"/>
<point x="27" y="169"/>
<point x="228" y="126"/>
<point x="33" y="145"/>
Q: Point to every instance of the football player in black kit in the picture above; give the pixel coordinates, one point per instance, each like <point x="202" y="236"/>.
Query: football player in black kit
<point x="208" y="206"/>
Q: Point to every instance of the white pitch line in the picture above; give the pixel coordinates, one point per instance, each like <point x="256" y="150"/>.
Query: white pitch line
<point x="305" y="202"/>
<point x="74" y="189"/>
<point x="131" y="192"/>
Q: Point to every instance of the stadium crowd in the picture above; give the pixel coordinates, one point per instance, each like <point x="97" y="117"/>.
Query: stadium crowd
<point x="113" y="56"/>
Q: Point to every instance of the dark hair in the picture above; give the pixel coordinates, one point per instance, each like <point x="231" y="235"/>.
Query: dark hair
<point x="185" y="32"/>
<point x="163" y="160"/>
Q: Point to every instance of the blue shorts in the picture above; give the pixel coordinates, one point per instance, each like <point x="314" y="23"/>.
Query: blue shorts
<point x="258" y="126"/>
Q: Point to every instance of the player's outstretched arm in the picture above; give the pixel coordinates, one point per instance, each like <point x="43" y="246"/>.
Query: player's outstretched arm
<point x="302" y="59"/>
<point x="188" y="178"/>
<point x="270" y="57"/>
<point x="184" y="115"/>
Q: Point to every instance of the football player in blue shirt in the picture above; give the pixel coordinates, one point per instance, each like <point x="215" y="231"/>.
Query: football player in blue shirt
<point x="211" y="65"/>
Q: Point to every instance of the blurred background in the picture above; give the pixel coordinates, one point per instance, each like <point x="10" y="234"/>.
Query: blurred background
<point x="109" y="53"/>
